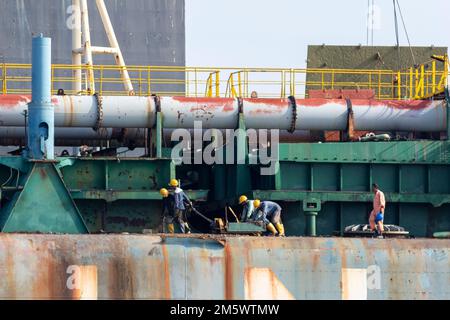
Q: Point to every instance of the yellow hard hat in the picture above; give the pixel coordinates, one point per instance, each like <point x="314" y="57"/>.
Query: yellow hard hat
<point x="164" y="192"/>
<point x="242" y="199"/>
<point x="256" y="203"/>
<point x="173" y="183"/>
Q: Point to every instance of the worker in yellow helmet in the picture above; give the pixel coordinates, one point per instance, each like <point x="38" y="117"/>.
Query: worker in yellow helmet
<point x="270" y="213"/>
<point x="247" y="208"/>
<point x="168" y="212"/>
<point x="180" y="201"/>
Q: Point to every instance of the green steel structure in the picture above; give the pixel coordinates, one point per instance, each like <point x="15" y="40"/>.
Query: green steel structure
<point x="322" y="188"/>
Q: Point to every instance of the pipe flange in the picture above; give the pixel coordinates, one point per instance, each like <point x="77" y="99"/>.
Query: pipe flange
<point x="157" y="100"/>
<point x="99" y="121"/>
<point x="240" y="102"/>
<point x="294" y="114"/>
<point x="350" y="121"/>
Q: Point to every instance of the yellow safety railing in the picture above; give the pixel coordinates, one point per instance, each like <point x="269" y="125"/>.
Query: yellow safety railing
<point x="213" y="81"/>
<point x="423" y="81"/>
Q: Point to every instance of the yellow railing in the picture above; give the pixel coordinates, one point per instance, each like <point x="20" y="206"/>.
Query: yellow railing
<point x="422" y="81"/>
<point x="416" y="83"/>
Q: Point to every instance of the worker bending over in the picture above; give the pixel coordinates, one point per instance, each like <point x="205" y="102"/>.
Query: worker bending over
<point x="377" y="215"/>
<point x="180" y="202"/>
<point x="270" y="213"/>
<point x="247" y="208"/>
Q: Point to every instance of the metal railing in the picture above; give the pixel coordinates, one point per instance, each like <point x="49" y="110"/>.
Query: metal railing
<point x="415" y="83"/>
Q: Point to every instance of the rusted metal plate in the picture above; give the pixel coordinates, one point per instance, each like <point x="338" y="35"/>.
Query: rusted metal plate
<point x="221" y="267"/>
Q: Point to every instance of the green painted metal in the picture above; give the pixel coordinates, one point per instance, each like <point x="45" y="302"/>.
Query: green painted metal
<point x="395" y="152"/>
<point x="117" y="195"/>
<point x="415" y="176"/>
<point x="444" y="234"/>
<point x="310" y="229"/>
<point x="16" y="163"/>
<point x="43" y="205"/>
<point x="130" y="174"/>
<point x="435" y="200"/>
<point x="312" y="205"/>
<point x="244" y="228"/>
<point x="111" y="195"/>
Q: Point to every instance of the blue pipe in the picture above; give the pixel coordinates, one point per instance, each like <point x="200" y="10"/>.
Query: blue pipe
<point x="40" y="110"/>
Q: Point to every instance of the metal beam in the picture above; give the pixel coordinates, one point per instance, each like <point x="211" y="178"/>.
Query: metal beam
<point x="110" y="195"/>
<point x="436" y="200"/>
<point x="76" y="43"/>
<point x="115" y="46"/>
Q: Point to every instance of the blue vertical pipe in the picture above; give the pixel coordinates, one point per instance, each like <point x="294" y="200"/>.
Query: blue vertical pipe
<point x="40" y="110"/>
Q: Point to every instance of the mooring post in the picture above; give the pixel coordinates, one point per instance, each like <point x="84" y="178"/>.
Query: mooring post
<point x="311" y="208"/>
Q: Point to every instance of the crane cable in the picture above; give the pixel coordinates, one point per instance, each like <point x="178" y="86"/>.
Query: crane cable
<point x="396" y="35"/>
<point x="404" y="28"/>
<point x="373" y="18"/>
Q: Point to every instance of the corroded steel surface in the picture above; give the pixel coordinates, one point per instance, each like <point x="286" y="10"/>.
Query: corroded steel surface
<point x="218" y="267"/>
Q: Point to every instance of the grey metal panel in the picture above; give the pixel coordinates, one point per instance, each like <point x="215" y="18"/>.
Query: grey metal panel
<point x="149" y="32"/>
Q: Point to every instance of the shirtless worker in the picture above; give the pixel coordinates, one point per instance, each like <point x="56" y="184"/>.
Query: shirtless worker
<point x="377" y="215"/>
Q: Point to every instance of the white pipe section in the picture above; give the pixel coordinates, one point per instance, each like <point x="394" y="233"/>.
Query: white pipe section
<point x="417" y="115"/>
<point x="97" y="50"/>
<point x="104" y="50"/>
<point x="214" y="113"/>
<point x="267" y="113"/>
<point x="87" y="44"/>
<point x="321" y="114"/>
<point x="115" y="45"/>
<point x="83" y="111"/>
<point x="76" y="44"/>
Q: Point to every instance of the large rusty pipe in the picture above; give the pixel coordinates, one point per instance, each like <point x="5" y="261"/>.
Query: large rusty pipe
<point x="85" y="111"/>
<point x="332" y="114"/>
<point x="223" y="113"/>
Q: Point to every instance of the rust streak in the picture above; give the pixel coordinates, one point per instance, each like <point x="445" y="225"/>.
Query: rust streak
<point x="228" y="273"/>
<point x="319" y="102"/>
<point x="396" y="104"/>
<point x="13" y="100"/>
<point x="166" y="272"/>
<point x="270" y="102"/>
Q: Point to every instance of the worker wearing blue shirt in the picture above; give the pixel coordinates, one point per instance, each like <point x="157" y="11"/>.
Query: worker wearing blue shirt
<point x="180" y="201"/>
<point x="269" y="212"/>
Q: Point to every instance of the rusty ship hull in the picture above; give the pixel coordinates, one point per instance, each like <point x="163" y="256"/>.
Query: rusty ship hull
<point x="37" y="266"/>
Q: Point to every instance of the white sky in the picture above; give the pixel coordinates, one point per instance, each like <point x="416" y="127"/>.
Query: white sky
<point x="275" y="33"/>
